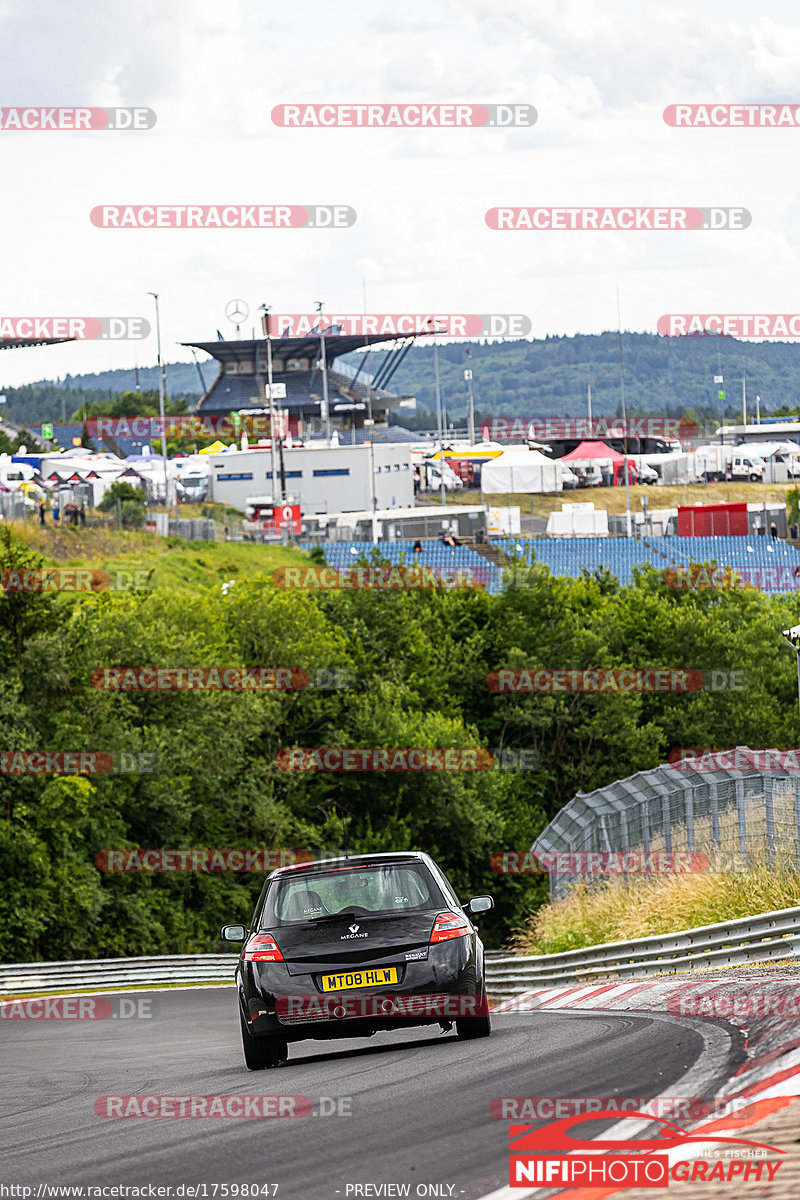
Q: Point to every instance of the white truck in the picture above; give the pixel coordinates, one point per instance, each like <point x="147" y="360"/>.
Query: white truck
<point x="729" y="462"/>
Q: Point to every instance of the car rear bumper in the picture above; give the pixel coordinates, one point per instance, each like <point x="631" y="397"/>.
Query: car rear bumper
<point x="444" y="988"/>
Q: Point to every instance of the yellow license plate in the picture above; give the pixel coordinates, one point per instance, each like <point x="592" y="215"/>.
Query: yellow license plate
<point x="372" y="977"/>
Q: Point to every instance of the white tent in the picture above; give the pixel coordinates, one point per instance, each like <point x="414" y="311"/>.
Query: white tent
<point x="520" y="470"/>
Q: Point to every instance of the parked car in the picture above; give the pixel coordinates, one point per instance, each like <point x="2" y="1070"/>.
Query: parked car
<point x="569" y="480"/>
<point x="645" y="473"/>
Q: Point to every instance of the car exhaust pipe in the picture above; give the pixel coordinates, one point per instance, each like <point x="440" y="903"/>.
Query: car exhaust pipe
<point x="387" y="1007"/>
<point x="339" y="1011"/>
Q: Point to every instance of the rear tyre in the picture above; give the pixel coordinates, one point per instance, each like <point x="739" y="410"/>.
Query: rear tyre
<point x="259" y="1053"/>
<point x="468" y="1028"/>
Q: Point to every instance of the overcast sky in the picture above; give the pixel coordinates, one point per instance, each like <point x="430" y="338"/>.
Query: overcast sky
<point x="599" y="74"/>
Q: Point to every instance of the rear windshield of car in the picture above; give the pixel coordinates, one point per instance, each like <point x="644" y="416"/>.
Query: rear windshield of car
<point x="365" y="891"/>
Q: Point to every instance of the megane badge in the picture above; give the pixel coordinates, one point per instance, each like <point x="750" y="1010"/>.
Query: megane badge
<point x="354" y="928"/>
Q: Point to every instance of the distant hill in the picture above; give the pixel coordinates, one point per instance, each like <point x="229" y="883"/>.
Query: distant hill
<point x="550" y="377"/>
<point x="523" y="378"/>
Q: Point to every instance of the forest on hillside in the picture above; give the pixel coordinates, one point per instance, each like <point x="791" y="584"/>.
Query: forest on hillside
<point x="544" y="377"/>
<point x="415" y="667"/>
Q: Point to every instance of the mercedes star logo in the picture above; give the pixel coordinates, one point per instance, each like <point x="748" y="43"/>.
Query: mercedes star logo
<point x="236" y="310"/>
<point x="354" y="928"/>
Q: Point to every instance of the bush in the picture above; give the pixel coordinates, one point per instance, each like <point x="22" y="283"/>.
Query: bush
<point x="133" y="514"/>
<point x="121" y="490"/>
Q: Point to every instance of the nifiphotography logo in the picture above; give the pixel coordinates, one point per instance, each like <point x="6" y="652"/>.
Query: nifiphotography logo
<point x="552" y="1156"/>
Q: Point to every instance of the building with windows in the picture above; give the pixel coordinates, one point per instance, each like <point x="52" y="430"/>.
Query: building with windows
<point x="324" y="479"/>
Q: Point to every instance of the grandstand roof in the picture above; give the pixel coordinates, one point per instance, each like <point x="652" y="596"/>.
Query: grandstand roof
<point x="297" y="347"/>
<point x="18" y="343"/>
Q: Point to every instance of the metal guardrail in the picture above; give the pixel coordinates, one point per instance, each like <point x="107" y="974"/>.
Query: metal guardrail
<point x="761" y="938"/>
<point x="768" y="936"/>
<point x="116" y="972"/>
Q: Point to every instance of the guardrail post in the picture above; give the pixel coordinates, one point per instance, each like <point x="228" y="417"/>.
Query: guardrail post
<point x="623" y="830"/>
<point x="741" y="817"/>
<point x="645" y="826"/>
<point x="666" y="823"/>
<point x="769" y="814"/>
<point x="714" y="805"/>
<point x="688" y="801"/>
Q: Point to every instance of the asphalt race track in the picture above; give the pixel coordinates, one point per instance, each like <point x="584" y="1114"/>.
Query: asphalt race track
<point x="418" y="1101"/>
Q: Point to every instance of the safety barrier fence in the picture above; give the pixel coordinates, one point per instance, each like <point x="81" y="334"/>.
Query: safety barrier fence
<point x="767" y="937"/>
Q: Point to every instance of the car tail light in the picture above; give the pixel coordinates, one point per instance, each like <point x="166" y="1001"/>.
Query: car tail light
<point x="262" y="948"/>
<point x="449" y="925"/>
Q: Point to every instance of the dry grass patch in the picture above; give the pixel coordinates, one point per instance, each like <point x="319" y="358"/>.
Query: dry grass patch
<point x="633" y="907"/>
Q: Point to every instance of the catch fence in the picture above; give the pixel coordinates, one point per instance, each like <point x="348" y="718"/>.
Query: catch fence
<point x="730" y="816"/>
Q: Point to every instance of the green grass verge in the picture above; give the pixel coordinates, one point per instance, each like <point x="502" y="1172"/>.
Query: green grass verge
<point x="633" y="907"/>
<point x="172" y="563"/>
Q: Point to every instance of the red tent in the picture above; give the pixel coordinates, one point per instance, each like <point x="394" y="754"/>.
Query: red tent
<point x="599" y="451"/>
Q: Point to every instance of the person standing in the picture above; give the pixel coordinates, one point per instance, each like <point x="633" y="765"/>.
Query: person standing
<point x="42" y="511"/>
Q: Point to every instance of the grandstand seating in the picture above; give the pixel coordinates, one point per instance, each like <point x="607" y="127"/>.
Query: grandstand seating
<point x="619" y="556"/>
<point x="434" y="554"/>
<point x="569" y="557"/>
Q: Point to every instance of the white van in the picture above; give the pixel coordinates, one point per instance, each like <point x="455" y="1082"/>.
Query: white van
<point x="747" y="466"/>
<point x="434" y="472"/>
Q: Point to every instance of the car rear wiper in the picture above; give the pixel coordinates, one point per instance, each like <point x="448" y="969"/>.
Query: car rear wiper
<point x="344" y="915"/>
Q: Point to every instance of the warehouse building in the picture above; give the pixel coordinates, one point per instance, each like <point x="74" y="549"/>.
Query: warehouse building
<point x="323" y="479"/>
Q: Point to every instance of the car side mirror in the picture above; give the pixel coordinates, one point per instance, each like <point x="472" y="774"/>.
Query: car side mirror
<point x="479" y="904"/>
<point x="233" y="933"/>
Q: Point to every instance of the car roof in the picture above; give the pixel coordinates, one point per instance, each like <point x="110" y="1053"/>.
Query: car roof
<point x="351" y="860"/>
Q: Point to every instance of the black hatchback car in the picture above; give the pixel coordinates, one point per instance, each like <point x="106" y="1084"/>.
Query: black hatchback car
<point x="344" y="947"/>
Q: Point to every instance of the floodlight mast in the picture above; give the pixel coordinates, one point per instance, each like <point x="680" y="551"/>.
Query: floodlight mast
<point x="162" y="388"/>
<point x="265" y="309"/>
<point x="326" y="411"/>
